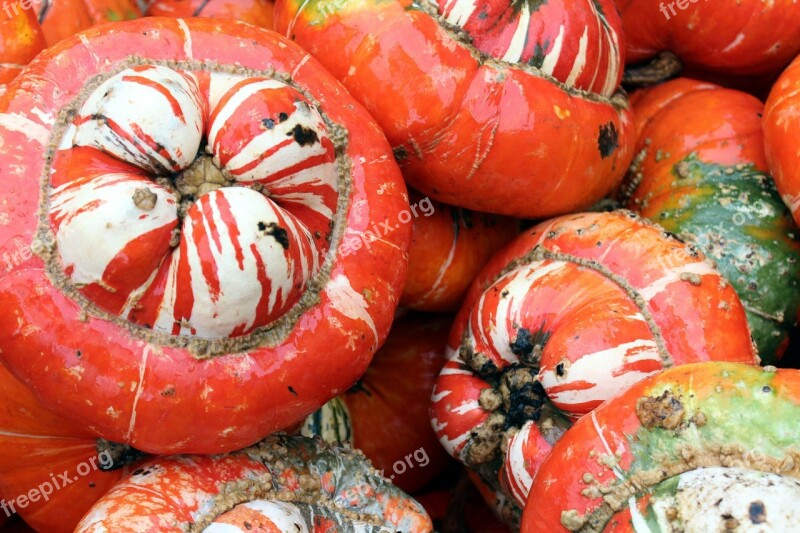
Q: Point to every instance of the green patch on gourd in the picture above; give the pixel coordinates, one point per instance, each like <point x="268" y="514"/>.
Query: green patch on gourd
<point x="742" y="420"/>
<point x="737" y="218"/>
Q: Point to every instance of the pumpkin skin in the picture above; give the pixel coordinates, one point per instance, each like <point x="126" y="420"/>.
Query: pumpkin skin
<point x="462" y="118"/>
<point x="256" y="12"/>
<point x="290" y="479"/>
<point x="38" y="447"/>
<point x="385" y="414"/>
<point x="573" y="311"/>
<point x="21" y="38"/>
<point x="389" y="405"/>
<point x="747" y="38"/>
<point x="221" y="392"/>
<point x="61" y="19"/>
<point x="639" y="447"/>
<point x="449" y="246"/>
<point x="781" y="133"/>
<point x="701" y="173"/>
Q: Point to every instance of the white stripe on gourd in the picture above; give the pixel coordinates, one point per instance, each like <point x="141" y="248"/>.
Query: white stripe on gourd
<point x="244" y="249"/>
<point x="603" y="370"/>
<point x="149" y="116"/>
<point x="517" y="477"/>
<point x="244" y="259"/>
<point x="95" y="219"/>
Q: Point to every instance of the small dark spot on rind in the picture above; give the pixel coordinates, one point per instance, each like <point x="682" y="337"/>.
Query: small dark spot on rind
<point x="757" y="512"/>
<point x="294" y="392"/>
<point x="560" y="370"/>
<point x="303" y="136"/>
<point x="78" y="354"/>
<point x="608" y="139"/>
<point x="282" y="117"/>
<point x="276" y="232"/>
<point x="400" y="153"/>
<point x="766" y="388"/>
<point x="268" y="123"/>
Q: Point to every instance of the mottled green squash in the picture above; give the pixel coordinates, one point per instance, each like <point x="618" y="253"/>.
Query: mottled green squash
<point x="701" y="174"/>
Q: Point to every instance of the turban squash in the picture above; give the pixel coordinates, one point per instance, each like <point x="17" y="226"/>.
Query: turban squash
<point x="504" y="107"/>
<point x="701" y="173"/>
<point x="177" y="193"/>
<point x="575" y="310"/>
<point x="702" y="447"/>
<point x="286" y="484"/>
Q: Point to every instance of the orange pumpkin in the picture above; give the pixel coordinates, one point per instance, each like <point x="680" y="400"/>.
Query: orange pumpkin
<point x="63" y="18"/>
<point x="449" y="246"/>
<point x="21" y="38"/>
<point x="744" y="38"/>
<point x="256" y="12"/>
<point x="782" y="136"/>
<point x="51" y="470"/>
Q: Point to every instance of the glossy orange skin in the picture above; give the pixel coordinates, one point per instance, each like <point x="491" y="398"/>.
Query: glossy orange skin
<point x="448" y="249"/>
<point x="686" y="338"/>
<point x="782" y="135"/>
<point x="321" y="356"/>
<point x="35" y="444"/>
<point x="441" y="109"/>
<point x="64" y="18"/>
<point x="389" y="407"/>
<point x="615" y="425"/>
<point x="744" y="38"/>
<point x="256" y="12"/>
<point x="21" y="38"/>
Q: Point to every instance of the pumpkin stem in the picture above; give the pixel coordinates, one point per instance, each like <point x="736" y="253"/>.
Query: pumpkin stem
<point x="662" y="67"/>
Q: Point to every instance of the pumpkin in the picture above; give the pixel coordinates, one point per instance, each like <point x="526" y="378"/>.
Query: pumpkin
<point x="509" y="108"/>
<point x="61" y="19"/>
<point x="701" y="173"/>
<point x="186" y="283"/>
<point x="745" y="39"/>
<point x="573" y="311"/>
<point x="385" y="414"/>
<point x="781" y="134"/>
<point x="449" y="246"/>
<point x="21" y="38"/>
<point x="282" y="484"/>
<point x="51" y="470"/>
<point x="701" y="447"/>
<point x="256" y="12"/>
